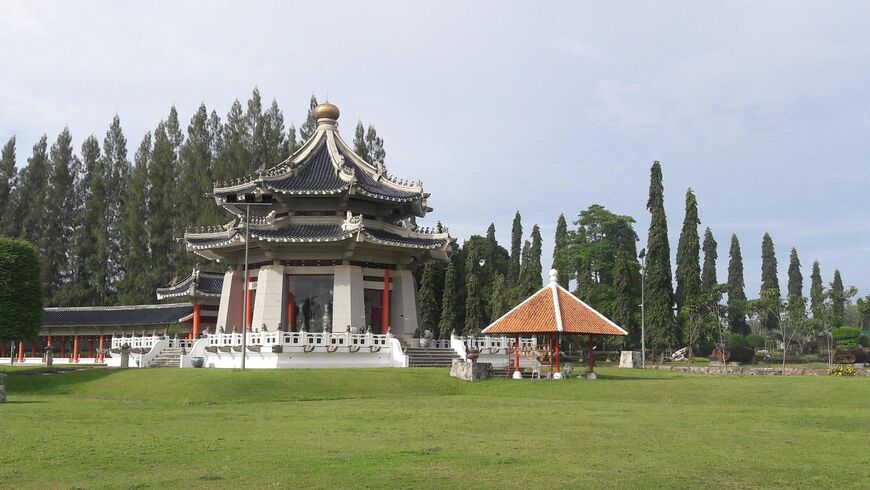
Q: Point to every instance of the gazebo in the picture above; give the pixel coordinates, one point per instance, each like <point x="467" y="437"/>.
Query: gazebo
<point x="553" y="311"/>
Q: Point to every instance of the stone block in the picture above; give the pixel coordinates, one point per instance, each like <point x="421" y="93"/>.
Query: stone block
<point x="471" y="371"/>
<point x="629" y="359"/>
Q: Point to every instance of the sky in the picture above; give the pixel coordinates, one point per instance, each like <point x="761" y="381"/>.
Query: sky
<point x="543" y="107"/>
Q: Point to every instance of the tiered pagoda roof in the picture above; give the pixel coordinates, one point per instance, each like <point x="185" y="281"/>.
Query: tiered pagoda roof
<point x="325" y="193"/>
<point x="198" y="284"/>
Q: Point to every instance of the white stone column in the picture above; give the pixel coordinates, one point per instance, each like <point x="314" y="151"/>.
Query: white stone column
<point x="348" y="304"/>
<point x="269" y="302"/>
<point x="232" y="301"/>
<point x="403" y="306"/>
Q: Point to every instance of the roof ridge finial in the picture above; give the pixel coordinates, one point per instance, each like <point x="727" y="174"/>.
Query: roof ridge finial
<point x="554" y="276"/>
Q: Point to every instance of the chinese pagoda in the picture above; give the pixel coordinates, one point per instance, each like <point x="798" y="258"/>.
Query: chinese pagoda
<point x="331" y="248"/>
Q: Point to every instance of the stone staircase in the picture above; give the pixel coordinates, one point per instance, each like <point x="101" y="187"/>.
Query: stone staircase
<point x="169" y="357"/>
<point x="430" y="357"/>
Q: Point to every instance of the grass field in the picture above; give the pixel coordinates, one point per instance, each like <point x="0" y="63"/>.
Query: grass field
<point x="419" y="428"/>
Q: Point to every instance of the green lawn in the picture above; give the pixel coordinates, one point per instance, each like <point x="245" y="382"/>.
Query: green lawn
<point x="419" y="428"/>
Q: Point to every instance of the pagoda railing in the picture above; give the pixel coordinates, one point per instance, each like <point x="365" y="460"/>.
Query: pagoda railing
<point x="148" y="341"/>
<point x="499" y="342"/>
<point x="301" y="339"/>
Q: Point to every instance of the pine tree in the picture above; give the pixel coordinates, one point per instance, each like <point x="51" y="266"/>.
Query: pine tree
<point x="795" y="278"/>
<point x="659" y="285"/>
<point x="817" y="292"/>
<point x="516" y="243"/>
<point x="135" y="286"/>
<point x="196" y="179"/>
<point x="561" y="259"/>
<point x="235" y="159"/>
<point x="160" y="209"/>
<point x="117" y="169"/>
<point x="8" y="183"/>
<point x="530" y="269"/>
<point x="32" y="193"/>
<point x="359" y="142"/>
<point x="430" y="314"/>
<point x="306" y="131"/>
<point x="61" y="220"/>
<point x="449" y="304"/>
<point x="769" y="282"/>
<point x="838" y="301"/>
<point x="688" y="270"/>
<point x="711" y="254"/>
<point x="474" y="303"/>
<point x="500" y="297"/>
<point x="92" y="279"/>
<point x="256" y="122"/>
<point x="583" y="266"/>
<point x="375" y="147"/>
<point x="736" y="290"/>
<point x="624" y="311"/>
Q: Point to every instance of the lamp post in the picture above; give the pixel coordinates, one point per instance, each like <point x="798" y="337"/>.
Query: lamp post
<point x="247" y="200"/>
<point x="641" y="256"/>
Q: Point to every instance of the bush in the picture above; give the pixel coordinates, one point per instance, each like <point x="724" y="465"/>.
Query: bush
<point x="754" y="340"/>
<point x="20" y="290"/>
<point x="864" y="340"/>
<point x="736" y="340"/>
<point x="842" y="371"/>
<point x="846" y="337"/>
<point x="705" y="348"/>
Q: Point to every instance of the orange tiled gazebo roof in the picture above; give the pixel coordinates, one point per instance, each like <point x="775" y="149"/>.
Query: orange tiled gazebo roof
<point x="554" y="310"/>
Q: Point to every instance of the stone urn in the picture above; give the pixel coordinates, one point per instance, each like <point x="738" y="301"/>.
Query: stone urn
<point x="472" y="353"/>
<point x="197" y="362"/>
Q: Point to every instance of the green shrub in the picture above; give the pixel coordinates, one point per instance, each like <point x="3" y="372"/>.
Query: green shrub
<point x="754" y="340"/>
<point x="705" y="348"/>
<point x="736" y="340"/>
<point x="864" y="340"/>
<point x="846" y="337"/>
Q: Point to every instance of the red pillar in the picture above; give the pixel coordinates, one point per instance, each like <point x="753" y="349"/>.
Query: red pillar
<point x="385" y="303"/>
<point x="291" y="312"/>
<point x="48" y="342"/>
<point x="550" y="356"/>
<point x="20" y="351"/>
<point x="517" y="353"/>
<point x="90" y="349"/>
<point x="591" y="356"/>
<point x="2" y="349"/>
<point x="102" y="356"/>
<point x="195" y="333"/>
<point x="558" y="361"/>
<point x="33" y="349"/>
<point x="250" y="316"/>
<point x="63" y="347"/>
<point x="75" y="352"/>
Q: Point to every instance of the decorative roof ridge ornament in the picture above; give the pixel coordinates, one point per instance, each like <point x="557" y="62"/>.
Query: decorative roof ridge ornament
<point x="352" y="223"/>
<point x="554" y="286"/>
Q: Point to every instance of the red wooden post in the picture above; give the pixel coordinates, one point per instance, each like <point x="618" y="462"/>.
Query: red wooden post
<point x="102" y="356"/>
<point x="291" y="312"/>
<point x="195" y="333"/>
<point x="33" y="349"/>
<point x="591" y="356"/>
<point x="385" y="303"/>
<point x="249" y="318"/>
<point x="48" y="342"/>
<point x="63" y="346"/>
<point x="90" y="349"/>
<point x="20" y="351"/>
<point x="517" y="353"/>
<point x="550" y="356"/>
<point x="75" y="352"/>
<point x="2" y="349"/>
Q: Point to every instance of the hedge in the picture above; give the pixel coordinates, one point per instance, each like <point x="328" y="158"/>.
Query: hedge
<point x="20" y="290"/>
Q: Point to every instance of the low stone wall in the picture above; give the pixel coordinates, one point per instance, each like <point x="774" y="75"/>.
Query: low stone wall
<point x="752" y="371"/>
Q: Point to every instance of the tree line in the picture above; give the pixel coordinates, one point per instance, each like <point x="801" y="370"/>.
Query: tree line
<point x="685" y="306"/>
<point x="106" y="225"/>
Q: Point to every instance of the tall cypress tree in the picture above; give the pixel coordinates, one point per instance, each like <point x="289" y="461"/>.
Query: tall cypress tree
<point x="117" y="169"/>
<point x="530" y="271"/>
<point x="306" y="131"/>
<point x="560" y="252"/>
<point x="659" y="285"/>
<point x="524" y="286"/>
<point x="32" y="193"/>
<point x="795" y="278"/>
<point x="160" y="209"/>
<point x="711" y="254"/>
<point x="92" y="277"/>
<point x="235" y="158"/>
<point x="689" y="255"/>
<point x="769" y="281"/>
<point x="135" y="286"/>
<point x="430" y="314"/>
<point x="259" y="127"/>
<point x="817" y="291"/>
<point x="838" y="301"/>
<point x="8" y="182"/>
<point x="449" y="304"/>
<point x="359" y="141"/>
<point x="375" y="147"/>
<point x="516" y="243"/>
<point x="61" y="220"/>
<point x="500" y="298"/>
<point x="736" y="289"/>
<point x="583" y="266"/>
